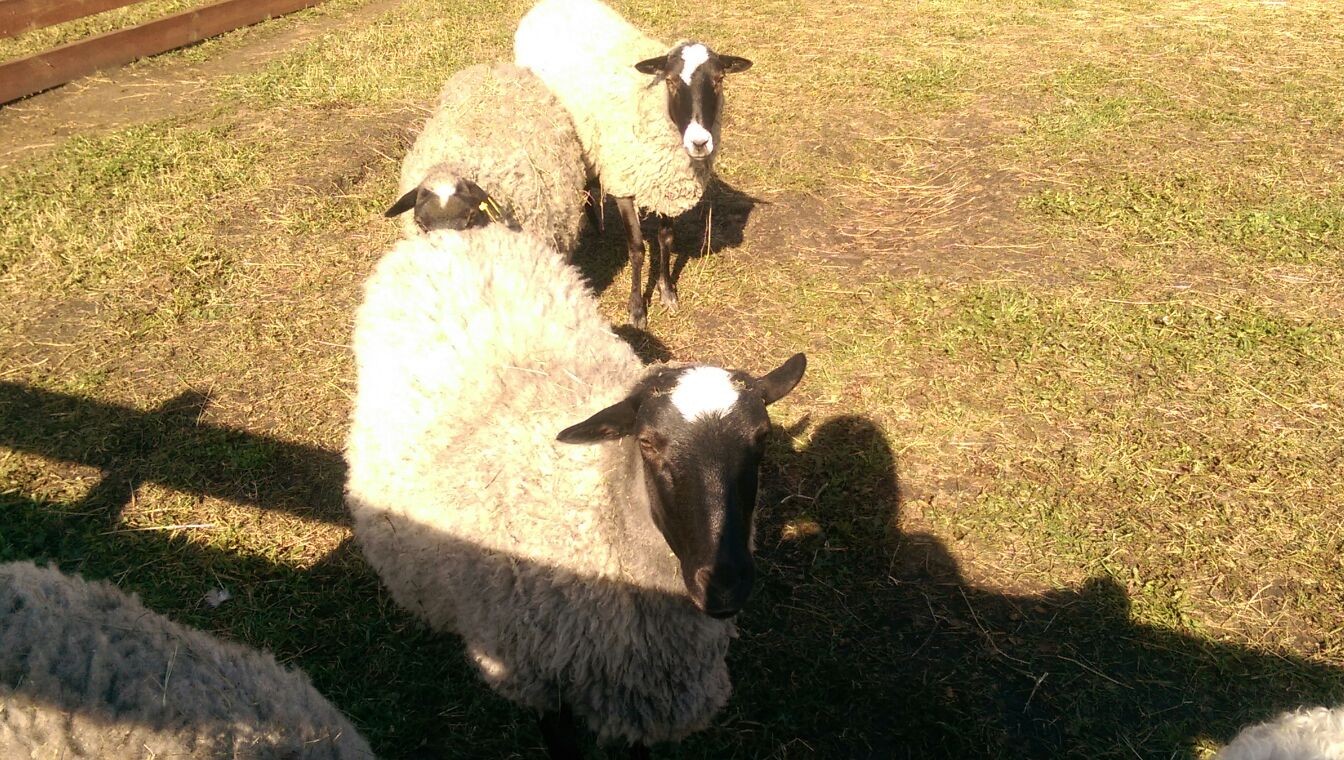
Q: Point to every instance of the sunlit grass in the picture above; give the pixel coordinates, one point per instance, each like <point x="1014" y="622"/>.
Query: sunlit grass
<point x="1066" y="272"/>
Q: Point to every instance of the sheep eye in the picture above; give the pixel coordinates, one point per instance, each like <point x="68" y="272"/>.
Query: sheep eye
<point x="650" y="446"/>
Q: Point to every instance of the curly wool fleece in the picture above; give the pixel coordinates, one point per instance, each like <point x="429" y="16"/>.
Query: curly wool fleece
<point x="500" y="127"/>
<point x="1307" y="734"/>
<point x="86" y="671"/>
<point x="586" y="53"/>
<point x="473" y="350"/>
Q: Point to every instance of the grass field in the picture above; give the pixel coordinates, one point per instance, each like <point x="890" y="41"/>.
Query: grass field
<point x="1062" y="479"/>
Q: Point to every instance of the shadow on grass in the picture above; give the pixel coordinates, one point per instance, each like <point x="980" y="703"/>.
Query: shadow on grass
<point x="868" y="642"/>
<point x="394" y="678"/>
<point x="171" y="446"/>
<point x="646" y="345"/>
<point x="861" y="641"/>
<point x="600" y="256"/>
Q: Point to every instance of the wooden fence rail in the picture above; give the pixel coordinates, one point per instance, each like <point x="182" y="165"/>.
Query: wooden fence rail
<point x="41" y="71"/>
<point x="18" y="16"/>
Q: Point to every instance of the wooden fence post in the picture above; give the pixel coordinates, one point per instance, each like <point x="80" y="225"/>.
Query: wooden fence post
<point x="38" y="72"/>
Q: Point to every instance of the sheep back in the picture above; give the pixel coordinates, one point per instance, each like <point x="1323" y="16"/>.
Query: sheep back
<point x="586" y="53"/>
<point x="1315" y="733"/>
<point x="86" y="671"/>
<point x="473" y="350"/>
<point x="499" y="126"/>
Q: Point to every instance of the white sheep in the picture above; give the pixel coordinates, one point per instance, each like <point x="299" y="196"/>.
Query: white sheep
<point x="86" y="671"/>
<point x="499" y="128"/>
<point x="1315" y="733"/>
<point x="651" y="147"/>
<point x="586" y="580"/>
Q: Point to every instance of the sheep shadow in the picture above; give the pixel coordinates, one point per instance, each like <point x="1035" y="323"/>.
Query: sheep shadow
<point x="862" y="640"/>
<point x="865" y="641"/>
<point x="719" y="221"/>
<point x="645" y="344"/>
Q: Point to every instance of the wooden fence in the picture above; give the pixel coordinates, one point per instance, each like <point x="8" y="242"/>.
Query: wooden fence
<point x="41" y="71"/>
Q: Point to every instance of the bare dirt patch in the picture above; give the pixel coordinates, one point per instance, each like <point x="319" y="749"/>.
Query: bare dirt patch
<point x="155" y="88"/>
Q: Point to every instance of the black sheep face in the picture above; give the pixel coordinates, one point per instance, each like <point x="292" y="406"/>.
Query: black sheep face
<point x="700" y="433"/>
<point x="449" y="205"/>
<point x="694" y="76"/>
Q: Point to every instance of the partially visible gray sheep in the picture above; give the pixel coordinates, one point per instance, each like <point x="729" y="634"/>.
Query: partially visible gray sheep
<point x="86" y="671"/>
<point x="652" y="147"/>
<point x="499" y="127"/>
<point x="568" y="574"/>
<point x="1315" y="733"/>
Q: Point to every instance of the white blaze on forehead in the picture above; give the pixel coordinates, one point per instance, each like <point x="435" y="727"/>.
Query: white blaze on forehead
<point x="443" y="191"/>
<point x="696" y="132"/>
<point x="692" y="56"/>
<point x="702" y="391"/>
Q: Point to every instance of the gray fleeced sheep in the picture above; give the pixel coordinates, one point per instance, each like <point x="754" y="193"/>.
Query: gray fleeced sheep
<point x="473" y="350"/>
<point x="1315" y="733"/>
<point x="651" y="146"/>
<point x="86" y="671"/>
<point x="498" y="126"/>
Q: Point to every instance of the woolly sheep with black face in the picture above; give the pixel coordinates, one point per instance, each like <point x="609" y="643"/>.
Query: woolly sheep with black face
<point x="651" y="147"/>
<point x="497" y="148"/>
<point x="694" y="77"/>
<point x="518" y="477"/>
<point x="700" y="434"/>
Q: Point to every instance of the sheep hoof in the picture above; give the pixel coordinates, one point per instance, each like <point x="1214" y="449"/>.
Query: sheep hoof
<point x="638" y="314"/>
<point x="668" y="296"/>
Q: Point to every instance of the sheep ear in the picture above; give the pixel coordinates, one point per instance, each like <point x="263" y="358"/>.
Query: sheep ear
<point x="733" y="65"/>
<point x="616" y="421"/>
<point x="777" y="384"/>
<point x="652" y="65"/>
<point x="404" y="203"/>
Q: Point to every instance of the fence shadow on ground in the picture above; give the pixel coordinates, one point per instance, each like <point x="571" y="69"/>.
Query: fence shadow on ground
<point x="861" y="640"/>
<point x="171" y="446"/>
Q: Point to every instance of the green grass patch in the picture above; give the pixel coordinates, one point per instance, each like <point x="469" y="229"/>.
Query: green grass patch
<point x="1275" y="227"/>
<point x="401" y="55"/>
<point x="98" y="201"/>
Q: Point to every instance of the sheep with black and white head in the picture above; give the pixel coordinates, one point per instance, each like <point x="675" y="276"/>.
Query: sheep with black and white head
<point x="498" y="148"/>
<point x="519" y="477"/>
<point x="650" y="142"/>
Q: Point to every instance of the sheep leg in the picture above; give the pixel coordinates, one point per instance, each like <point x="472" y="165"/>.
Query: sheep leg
<point x="666" y="291"/>
<point x="592" y="203"/>
<point x="560" y="735"/>
<point x="635" y="242"/>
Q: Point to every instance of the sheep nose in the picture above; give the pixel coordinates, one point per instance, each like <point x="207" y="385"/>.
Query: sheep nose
<point x="699" y="144"/>
<point x="722" y="592"/>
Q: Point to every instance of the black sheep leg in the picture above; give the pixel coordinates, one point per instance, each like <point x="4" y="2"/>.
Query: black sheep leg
<point x="634" y="241"/>
<point x="560" y="734"/>
<point x="666" y="291"/>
